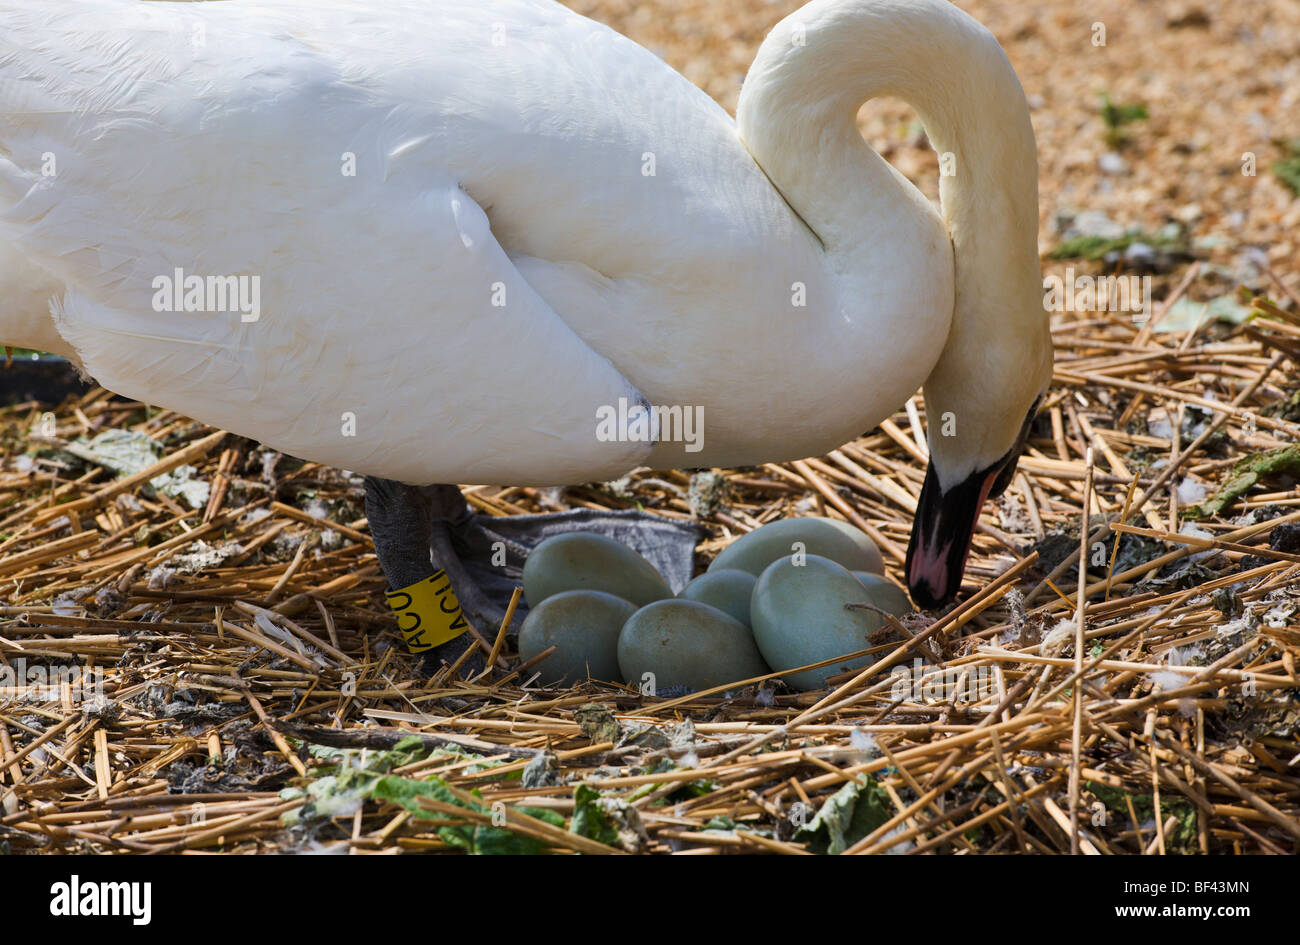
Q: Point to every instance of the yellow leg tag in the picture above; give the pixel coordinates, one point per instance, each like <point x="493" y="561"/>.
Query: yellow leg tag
<point x="428" y="613"/>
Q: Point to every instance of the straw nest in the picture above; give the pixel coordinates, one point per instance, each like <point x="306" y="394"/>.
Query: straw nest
<point x="242" y="688"/>
<point x="256" y="698"/>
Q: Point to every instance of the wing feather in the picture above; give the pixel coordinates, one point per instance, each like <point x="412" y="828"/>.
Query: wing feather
<point x="394" y="337"/>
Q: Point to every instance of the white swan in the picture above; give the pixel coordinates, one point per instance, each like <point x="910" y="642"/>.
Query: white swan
<point x="471" y="225"/>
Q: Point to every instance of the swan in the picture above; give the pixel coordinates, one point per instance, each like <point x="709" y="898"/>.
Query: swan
<point x="431" y="241"/>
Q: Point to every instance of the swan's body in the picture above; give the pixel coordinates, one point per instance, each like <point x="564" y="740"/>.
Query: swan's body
<point x="503" y="264"/>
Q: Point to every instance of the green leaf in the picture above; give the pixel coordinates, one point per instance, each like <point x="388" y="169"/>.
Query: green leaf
<point x="1092" y="247"/>
<point x="850" y="814"/>
<point x="473" y="838"/>
<point x="1115" y="116"/>
<point x="589" y="820"/>
<point x="1246" y="473"/>
<point x="607" y="819"/>
<point x="1288" y="169"/>
<point x="330" y="796"/>
<point x="498" y="841"/>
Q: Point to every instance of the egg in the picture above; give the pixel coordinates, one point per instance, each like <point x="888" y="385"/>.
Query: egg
<point x="579" y="561"/>
<point x="885" y="594"/>
<point x="799" y="617"/>
<point x="686" y="643"/>
<point x="583" y="626"/>
<point x="841" y="542"/>
<point x="727" y="589"/>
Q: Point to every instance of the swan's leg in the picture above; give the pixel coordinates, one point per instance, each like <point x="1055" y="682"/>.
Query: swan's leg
<point x="414" y="528"/>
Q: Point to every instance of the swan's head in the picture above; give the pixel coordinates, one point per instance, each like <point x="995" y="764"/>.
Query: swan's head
<point x="980" y="401"/>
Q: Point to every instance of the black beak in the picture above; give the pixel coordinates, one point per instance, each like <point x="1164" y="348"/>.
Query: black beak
<point x="945" y="523"/>
<point x="941" y="535"/>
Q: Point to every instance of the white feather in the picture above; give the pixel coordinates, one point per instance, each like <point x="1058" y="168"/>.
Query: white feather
<point x="644" y="245"/>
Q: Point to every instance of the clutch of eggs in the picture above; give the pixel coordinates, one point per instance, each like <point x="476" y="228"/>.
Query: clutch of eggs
<point x="776" y="599"/>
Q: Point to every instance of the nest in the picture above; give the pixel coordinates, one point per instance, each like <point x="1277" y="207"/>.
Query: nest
<point x="199" y="654"/>
<point x="208" y="664"/>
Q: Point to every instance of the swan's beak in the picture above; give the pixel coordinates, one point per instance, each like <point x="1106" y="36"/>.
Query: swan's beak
<point x="945" y="523"/>
<point x="941" y="535"/>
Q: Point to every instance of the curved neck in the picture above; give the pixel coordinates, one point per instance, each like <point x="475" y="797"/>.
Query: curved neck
<point x="798" y="116"/>
<point x="798" y="110"/>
